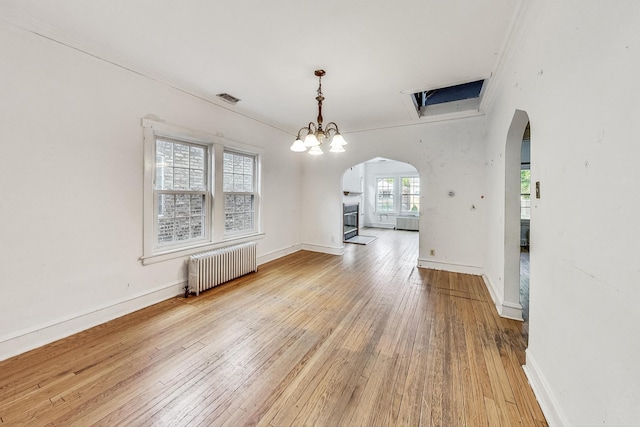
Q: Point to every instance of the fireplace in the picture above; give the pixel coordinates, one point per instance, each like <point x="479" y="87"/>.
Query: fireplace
<point x="350" y="216"/>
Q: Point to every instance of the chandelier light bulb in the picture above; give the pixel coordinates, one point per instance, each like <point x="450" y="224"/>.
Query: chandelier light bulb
<point x="316" y="150"/>
<point x="298" y="146"/>
<point x="311" y="141"/>
<point x="337" y="148"/>
<point x="338" y="140"/>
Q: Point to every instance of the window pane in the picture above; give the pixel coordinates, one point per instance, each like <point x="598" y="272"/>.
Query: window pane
<point x="196" y="180"/>
<point x="238" y="212"/>
<point x="180" y="179"/>
<point x="227" y="163"/>
<point x="180" y="166"/>
<point x="164" y="153"/>
<point x="238" y="173"/>
<point x="180" y="217"/>
<point x="248" y="165"/>
<point x="238" y="183"/>
<point x="196" y="157"/>
<point x="248" y="184"/>
<point x="180" y="155"/>
<point x="165" y="231"/>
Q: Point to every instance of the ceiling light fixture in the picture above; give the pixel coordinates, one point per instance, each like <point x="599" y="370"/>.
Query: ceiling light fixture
<point x="315" y="135"/>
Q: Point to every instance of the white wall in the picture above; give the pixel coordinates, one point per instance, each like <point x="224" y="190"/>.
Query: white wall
<point x="449" y="156"/>
<point x="72" y="170"/>
<point x="574" y="71"/>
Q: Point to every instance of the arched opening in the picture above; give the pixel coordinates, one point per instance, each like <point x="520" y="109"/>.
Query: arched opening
<point x="525" y="224"/>
<point x="380" y="194"/>
<point x="516" y="231"/>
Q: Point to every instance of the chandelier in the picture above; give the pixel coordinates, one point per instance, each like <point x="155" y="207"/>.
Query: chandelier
<point x="315" y="136"/>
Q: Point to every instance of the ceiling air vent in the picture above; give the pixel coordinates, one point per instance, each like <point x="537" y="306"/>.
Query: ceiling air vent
<point x="229" y="98"/>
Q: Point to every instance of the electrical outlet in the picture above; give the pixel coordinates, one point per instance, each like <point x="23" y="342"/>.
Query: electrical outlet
<point x="432" y="252"/>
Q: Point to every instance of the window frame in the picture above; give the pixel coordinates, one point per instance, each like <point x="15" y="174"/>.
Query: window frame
<point x="157" y="247"/>
<point x="214" y="219"/>
<point x="393" y="192"/>
<point x="402" y="194"/>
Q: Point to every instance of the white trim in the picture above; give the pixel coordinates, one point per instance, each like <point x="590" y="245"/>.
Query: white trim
<point x="178" y="253"/>
<point x="545" y="396"/>
<point x="263" y="259"/>
<point x="511" y="311"/>
<point x="36" y="336"/>
<point x="452" y="267"/>
<point x="507" y="310"/>
<point x="324" y="249"/>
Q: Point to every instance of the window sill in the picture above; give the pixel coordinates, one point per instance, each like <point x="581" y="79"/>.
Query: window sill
<point x="191" y="250"/>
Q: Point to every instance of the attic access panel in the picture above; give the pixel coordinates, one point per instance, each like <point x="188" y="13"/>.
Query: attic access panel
<point x="461" y="97"/>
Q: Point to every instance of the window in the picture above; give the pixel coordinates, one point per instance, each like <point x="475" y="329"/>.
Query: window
<point x="183" y="171"/>
<point x="384" y="195"/>
<point x="410" y="195"/>
<point x="238" y="185"/>
<point x="525" y="194"/>
<point x="180" y="192"/>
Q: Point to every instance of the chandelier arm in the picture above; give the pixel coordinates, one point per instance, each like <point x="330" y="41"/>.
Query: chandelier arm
<point x="332" y="127"/>
<point x="301" y="129"/>
<point x="312" y="127"/>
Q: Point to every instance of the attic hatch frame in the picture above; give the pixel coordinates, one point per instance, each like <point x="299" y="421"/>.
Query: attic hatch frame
<point x="458" y="98"/>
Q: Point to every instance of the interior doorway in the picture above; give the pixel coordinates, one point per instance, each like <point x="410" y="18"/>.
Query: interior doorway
<point x="525" y="225"/>
<point x="514" y="205"/>
<point x="381" y="193"/>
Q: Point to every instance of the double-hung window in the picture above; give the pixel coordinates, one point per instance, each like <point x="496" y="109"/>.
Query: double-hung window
<point x="180" y="192"/>
<point x="384" y="195"/>
<point x="410" y="195"/>
<point x="238" y="184"/>
<point x="525" y="194"/>
<point x="200" y="191"/>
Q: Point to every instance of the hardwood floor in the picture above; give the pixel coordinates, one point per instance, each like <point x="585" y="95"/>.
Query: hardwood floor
<point x="365" y="339"/>
<point x="524" y="289"/>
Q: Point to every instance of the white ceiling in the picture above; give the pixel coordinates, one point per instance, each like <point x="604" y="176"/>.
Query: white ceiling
<point x="265" y="52"/>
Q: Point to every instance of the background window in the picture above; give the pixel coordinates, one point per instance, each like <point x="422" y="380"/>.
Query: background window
<point x="410" y="194"/>
<point x="384" y="195"/>
<point x="180" y="190"/>
<point x="525" y="194"/>
<point x="238" y="184"/>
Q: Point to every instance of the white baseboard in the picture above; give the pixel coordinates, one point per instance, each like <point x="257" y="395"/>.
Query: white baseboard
<point x="544" y="395"/>
<point x="452" y="267"/>
<point x="263" y="259"/>
<point x="324" y="249"/>
<point x="37" y="336"/>
<point x="505" y="309"/>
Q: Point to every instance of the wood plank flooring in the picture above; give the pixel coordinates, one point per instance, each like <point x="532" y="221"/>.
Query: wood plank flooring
<point x="365" y="339"/>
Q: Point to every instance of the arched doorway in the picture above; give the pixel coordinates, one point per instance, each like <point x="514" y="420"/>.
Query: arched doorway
<point x="385" y="194"/>
<point x="513" y="229"/>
